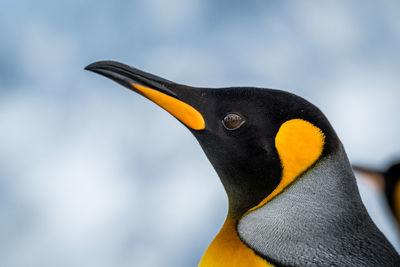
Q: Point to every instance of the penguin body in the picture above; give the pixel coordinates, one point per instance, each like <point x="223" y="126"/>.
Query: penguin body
<point x="293" y="200"/>
<point x="308" y="227"/>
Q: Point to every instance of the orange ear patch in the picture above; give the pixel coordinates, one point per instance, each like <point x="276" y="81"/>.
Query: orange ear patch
<point x="396" y="200"/>
<point x="299" y="144"/>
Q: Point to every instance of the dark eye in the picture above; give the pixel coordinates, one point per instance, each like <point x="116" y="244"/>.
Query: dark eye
<point x="232" y="121"/>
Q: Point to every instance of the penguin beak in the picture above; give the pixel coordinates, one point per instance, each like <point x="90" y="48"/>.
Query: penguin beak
<point x="365" y="170"/>
<point x="373" y="177"/>
<point x="162" y="92"/>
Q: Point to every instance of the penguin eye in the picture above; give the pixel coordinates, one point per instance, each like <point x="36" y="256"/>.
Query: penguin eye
<point x="232" y="121"/>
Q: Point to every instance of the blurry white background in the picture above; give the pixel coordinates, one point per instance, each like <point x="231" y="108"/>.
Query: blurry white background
<point x="92" y="174"/>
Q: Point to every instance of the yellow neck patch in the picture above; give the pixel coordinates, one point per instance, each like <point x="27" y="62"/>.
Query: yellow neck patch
<point x="228" y="250"/>
<point x="299" y="144"/>
<point x="180" y="110"/>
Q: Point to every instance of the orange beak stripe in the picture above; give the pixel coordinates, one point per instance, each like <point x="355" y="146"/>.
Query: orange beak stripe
<point x="180" y="110"/>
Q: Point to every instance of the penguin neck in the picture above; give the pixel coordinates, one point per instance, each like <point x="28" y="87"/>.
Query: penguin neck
<point x="228" y="250"/>
<point x="330" y="180"/>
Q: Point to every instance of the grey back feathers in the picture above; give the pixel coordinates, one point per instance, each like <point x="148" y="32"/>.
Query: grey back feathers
<point x="318" y="221"/>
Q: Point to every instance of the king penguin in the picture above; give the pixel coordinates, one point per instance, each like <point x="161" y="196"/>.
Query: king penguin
<point x="293" y="199"/>
<point x="387" y="182"/>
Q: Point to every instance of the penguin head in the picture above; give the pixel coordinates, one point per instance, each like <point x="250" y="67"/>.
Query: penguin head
<point x="392" y="173"/>
<point x="258" y="140"/>
<point x="392" y="188"/>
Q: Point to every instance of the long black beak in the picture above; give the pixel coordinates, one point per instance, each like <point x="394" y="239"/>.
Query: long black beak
<point x="164" y="93"/>
<point x="126" y="75"/>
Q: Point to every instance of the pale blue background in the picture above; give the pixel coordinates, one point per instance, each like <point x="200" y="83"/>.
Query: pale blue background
<point x="94" y="175"/>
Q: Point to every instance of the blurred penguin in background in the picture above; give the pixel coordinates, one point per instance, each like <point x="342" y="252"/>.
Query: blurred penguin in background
<point x="385" y="181"/>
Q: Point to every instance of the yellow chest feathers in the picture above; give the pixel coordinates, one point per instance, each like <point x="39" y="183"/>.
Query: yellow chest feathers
<point x="228" y="250"/>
